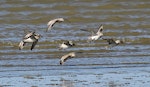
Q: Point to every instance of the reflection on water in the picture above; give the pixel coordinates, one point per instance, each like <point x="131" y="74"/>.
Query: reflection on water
<point x="128" y="20"/>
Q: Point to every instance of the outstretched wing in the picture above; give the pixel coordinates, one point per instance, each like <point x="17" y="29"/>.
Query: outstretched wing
<point x="33" y="44"/>
<point x="66" y="57"/>
<point x="92" y="32"/>
<point x="51" y="23"/>
<point x="21" y="45"/>
<point x="29" y="35"/>
<point x="100" y="28"/>
<point x="110" y="41"/>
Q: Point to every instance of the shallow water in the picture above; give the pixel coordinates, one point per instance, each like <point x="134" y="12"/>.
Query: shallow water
<point x="128" y="20"/>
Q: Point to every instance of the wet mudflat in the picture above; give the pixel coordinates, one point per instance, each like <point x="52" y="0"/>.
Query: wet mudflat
<point x="81" y="76"/>
<point x="126" y="65"/>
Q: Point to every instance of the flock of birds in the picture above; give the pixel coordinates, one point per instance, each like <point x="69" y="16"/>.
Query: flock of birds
<point x="33" y="37"/>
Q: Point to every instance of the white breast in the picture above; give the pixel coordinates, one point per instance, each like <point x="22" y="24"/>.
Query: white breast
<point x="29" y="40"/>
<point x="64" y="46"/>
<point x="94" y="37"/>
<point x="117" y="41"/>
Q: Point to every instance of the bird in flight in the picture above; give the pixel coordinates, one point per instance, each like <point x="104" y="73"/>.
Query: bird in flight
<point x="67" y="56"/>
<point x="113" y="42"/>
<point x="66" y="44"/>
<point x="51" y="23"/>
<point x="95" y="36"/>
<point x="30" y="37"/>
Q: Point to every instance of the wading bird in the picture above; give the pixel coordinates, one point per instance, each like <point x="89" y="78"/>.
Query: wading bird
<point x="30" y="37"/>
<point x="95" y="36"/>
<point x="51" y="23"/>
<point x="113" y="42"/>
<point x="66" y="45"/>
<point x="67" y="56"/>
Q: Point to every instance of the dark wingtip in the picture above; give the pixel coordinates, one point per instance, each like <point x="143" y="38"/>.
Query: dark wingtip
<point x="31" y="49"/>
<point x="83" y="29"/>
<point x="60" y="63"/>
